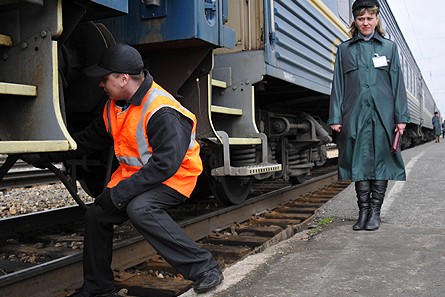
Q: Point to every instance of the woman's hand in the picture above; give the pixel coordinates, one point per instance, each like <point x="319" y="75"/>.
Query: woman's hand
<point x="400" y="127"/>
<point x="336" y="127"/>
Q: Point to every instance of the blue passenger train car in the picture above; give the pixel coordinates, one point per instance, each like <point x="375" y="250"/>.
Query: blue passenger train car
<point x="257" y="74"/>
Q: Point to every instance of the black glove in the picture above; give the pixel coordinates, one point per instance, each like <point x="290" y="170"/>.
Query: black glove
<point x="104" y="201"/>
<point x="37" y="160"/>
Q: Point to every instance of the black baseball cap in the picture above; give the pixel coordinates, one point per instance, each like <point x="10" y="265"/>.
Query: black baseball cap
<point x="118" y="58"/>
<point x="364" y="4"/>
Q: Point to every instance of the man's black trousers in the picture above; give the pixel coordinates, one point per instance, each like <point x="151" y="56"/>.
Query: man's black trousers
<point x="147" y="213"/>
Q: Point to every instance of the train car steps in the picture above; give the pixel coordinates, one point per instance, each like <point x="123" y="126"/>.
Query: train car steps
<point x="17" y="89"/>
<point x="5" y="40"/>
<point x="219" y="83"/>
<point x="223" y="109"/>
<point x="226" y="110"/>
<point x="260" y="168"/>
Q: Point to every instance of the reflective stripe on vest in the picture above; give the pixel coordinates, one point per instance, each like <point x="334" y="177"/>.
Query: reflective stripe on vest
<point x="131" y="159"/>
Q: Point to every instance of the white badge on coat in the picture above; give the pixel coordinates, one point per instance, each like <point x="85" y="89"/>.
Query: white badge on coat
<point x="379" y="61"/>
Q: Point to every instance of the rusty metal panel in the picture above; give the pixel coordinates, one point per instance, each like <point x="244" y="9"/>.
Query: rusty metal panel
<point x="246" y="17"/>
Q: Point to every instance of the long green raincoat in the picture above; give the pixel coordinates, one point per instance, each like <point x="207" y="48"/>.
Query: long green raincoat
<point x="436" y="125"/>
<point x="368" y="102"/>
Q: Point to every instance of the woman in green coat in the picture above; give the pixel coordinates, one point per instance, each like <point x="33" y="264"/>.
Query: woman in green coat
<point x="436" y="125"/>
<point x="368" y="105"/>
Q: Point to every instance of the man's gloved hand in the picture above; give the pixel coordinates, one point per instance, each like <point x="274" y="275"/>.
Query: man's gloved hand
<point x="104" y="201"/>
<point x="37" y="160"/>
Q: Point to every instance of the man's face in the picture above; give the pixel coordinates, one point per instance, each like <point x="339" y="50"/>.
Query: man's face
<point x="112" y="85"/>
<point x="366" y="23"/>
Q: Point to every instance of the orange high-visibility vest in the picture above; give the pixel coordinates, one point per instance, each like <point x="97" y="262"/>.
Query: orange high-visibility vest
<point x="132" y="148"/>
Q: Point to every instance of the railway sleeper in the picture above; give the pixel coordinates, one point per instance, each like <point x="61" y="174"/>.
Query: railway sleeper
<point x="303" y="209"/>
<point x="227" y="254"/>
<point x="48" y="252"/>
<point x="303" y="204"/>
<point x="26" y="256"/>
<point x="286" y="216"/>
<point x="140" y="282"/>
<point x="275" y="222"/>
<point x="323" y="195"/>
<point x="237" y="240"/>
<point x="264" y="231"/>
<point x="316" y="199"/>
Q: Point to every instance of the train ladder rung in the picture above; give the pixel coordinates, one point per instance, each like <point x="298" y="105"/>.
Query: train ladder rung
<point x="226" y="110"/>
<point x="244" y="141"/>
<point x="17" y="89"/>
<point x="5" y="40"/>
<point x="219" y="83"/>
<point x="239" y="141"/>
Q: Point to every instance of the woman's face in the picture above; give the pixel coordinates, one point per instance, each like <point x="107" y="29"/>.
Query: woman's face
<point x="366" y="23"/>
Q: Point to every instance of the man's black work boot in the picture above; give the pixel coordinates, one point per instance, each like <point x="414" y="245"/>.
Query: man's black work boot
<point x="363" y="190"/>
<point x="378" y="190"/>
<point x="208" y="280"/>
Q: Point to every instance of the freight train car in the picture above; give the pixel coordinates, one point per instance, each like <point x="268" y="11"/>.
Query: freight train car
<point x="257" y="74"/>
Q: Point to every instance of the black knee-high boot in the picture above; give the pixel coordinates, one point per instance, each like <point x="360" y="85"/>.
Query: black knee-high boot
<point x="378" y="190"/>
<point x="363" y="190"/>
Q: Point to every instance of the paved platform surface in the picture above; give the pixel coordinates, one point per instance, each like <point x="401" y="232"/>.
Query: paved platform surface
<point x="405" y="257"/>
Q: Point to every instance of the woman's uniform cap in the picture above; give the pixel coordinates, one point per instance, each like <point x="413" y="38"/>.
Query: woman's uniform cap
<point x="358" y="4"/>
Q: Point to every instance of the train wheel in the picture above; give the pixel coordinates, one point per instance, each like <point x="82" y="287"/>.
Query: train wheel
<point x="230" y="190"/>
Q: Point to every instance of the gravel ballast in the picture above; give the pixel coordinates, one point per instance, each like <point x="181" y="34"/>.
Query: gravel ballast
<point x="19" y="201"/>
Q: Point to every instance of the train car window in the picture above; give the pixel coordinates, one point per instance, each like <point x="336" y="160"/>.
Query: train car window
<point x="344" y="11"/>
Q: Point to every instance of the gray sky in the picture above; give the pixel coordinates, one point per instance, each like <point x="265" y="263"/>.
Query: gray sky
<point x="421" y="25"/>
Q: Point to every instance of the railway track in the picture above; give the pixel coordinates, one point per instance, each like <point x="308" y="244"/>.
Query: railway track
<point x="230" y="233"/>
